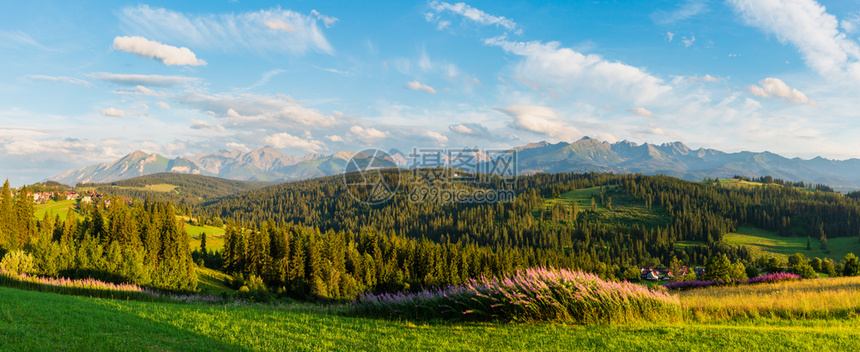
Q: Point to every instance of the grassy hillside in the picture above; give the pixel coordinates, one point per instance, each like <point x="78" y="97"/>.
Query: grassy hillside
<point x="60" y="208"/>
<point x="625" y="210"/>
<point x="214" y="236"/>
<point x="768" y="242"/>
<point x="42" y="321"/>
<point x="190" y="189"/>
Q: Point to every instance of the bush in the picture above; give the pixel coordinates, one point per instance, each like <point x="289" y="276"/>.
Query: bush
<point x="804" y="270"/>
<point x="18" y="262"/>
<point x="527" y="295"/>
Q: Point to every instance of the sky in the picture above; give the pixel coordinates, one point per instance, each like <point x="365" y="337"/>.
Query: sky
<point x="84" y="82"/>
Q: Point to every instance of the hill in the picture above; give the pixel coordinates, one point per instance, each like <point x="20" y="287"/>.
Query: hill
<point x="176" y="187"/>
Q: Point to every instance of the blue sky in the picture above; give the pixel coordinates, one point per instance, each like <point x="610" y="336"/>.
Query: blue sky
<point x="86" y="82"/>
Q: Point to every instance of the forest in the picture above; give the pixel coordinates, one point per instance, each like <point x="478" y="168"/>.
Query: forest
<point x="311" y="239"/>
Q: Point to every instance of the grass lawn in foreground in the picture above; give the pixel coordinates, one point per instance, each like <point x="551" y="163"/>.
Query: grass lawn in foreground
<point x="44" y="321"/>
<point x="768" y="242"/>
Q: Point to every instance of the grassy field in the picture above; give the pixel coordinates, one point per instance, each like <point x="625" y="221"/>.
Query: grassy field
<point x="43" y="321"/>
<point x="212" y="281"/>
<point x="214" y="236"/>
<point x="769" y="243"/>
<point x="60" y="208"/>
<point x="164" y="188"/>
<point x="832" y="298"/>
<point x="625" y="211"/>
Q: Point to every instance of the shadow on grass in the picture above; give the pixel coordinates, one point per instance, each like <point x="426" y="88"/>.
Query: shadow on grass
<point x="50" y="322"/>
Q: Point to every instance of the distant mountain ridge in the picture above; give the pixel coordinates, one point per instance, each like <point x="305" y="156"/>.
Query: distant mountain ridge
<point x="585" y="155"/>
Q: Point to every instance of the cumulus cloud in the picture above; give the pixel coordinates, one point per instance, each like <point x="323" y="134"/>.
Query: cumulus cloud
<point x="473" y="130"/>
<point x="688" y="42"/>
<point x="641" y="112"/>
<point x="807" y="26"/>
<point x="776" y="88"/>
<point x="471" y="13"/>
<point x="203" y="125"/>
<point x="461" y="128"/>
<point x="334" y="138"/>
<point x="369" y="134"/>
<point x="286" y="140"/>
<point x="277" y="24"/>
<point x="688" y="9"/>
<point x="539" y="119"/>
<point x="670" y="36"/>
<point x="143" y="80"/>
<point x="230" y="31"/>
<point x="239" y="146"/>
<point x="63" y="79"/>
<point x="415" y="85"/>
<point x="436" y="136"/>
<point x="587" y="74"/>
<point x="163" y="105"/>
<point x="252" y="111"/>
<point x="113" y="112"/>
<point x="168" y="55"/>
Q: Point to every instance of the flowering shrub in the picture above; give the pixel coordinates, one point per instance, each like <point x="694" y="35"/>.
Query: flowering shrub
<point x="686" y="285"/>
<point x="774" y="277"/>
<point x="93" y="287"/>
<point x="766" y="278"/>
<point x="527" y="295"/>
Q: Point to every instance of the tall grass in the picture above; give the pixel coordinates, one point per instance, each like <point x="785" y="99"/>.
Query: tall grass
<point x="96" y="288"/>
<point x="527" y="295"/>
<point x="807" y="299"/>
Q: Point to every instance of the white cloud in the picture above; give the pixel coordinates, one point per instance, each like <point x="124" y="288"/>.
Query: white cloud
<point x="688" y="9"/>
<point x="776" y="88"/>
<point x="540" y="119"/>
<point x="148" y="80"/>
<point x="688" y="42"/>
<point x="168" y="55"/>
<point x="670" y="36"/>
<point x="253" y="111"/>
<point x="163" y="105"/>
<point x="203" y="125"/>
<point x="229" y="31"/>
<point x="239" y="146"/>
<point x="146" y="91"/>
<point x="471" y="13"/>
<point x="438" y="137"/>
<point x="460" y="128"/>
<point x="334" y="138"/>
<point x="415" y="85"/>
<point x="709" y="78"/>
<point x="278" y="24"/>
<point x="63" y="79"/>
<point x="586" y="74"/>
<point x="18" y="39"/>
<point x="367" y="134"/>
<point x="641" y="112"/>
<point x="285" y="140"/>
<point x="807" y="26"/>
<point x="113" y="112"/>
<point x="328" y="21"/>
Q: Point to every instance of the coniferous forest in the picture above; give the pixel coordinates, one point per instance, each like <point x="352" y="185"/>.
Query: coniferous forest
<point x="312" y="239"/>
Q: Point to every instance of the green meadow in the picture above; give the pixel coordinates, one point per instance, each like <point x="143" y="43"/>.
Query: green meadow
<point x="625" y="210"/>
<point x="763" y="242"/>
<point x="61" y="208"/>
<point x="53" y="322"/>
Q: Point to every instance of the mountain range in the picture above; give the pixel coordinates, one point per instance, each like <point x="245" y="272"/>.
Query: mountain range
<point x="587" y="154"/>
